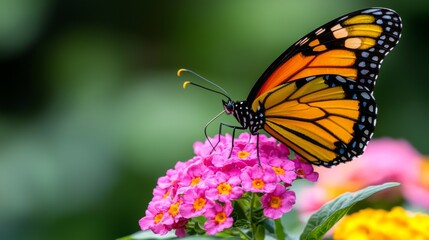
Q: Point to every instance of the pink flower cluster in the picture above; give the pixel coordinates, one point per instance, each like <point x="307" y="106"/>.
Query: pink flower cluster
<point x="209" y="183"/>
<point x="385" y="160"/>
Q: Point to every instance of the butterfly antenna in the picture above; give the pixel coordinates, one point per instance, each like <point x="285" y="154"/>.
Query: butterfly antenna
<point x="185" y="84"/>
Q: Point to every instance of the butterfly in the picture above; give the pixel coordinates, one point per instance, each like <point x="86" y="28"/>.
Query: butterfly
<point x="316" y="97"/>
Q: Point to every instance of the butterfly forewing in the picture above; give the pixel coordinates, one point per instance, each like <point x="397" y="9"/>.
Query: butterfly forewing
<point x="325" y="119"/>
<point x="352" y="46"/>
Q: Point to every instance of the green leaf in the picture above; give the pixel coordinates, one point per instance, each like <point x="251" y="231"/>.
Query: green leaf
<point x="260" y="232"/>
<point x="321" y="221"/>
<point x="280" y="232"/>
<point x="269" y="225"/>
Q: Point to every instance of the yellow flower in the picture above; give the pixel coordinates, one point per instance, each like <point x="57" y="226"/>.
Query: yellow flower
<point x="243" y="155"/>
<point x="396" y="224"/>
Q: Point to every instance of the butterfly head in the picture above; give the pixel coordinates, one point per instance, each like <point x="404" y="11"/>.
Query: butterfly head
<point x="228" y="106"/>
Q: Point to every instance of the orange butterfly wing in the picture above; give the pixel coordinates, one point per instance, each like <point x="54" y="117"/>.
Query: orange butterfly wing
<point x="317" y="96"/>
<point x="351" y="46"/>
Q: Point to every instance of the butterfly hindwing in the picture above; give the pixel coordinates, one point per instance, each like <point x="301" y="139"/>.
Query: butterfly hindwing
<point x="352" y="46"/>
<point x="326" y="119"/>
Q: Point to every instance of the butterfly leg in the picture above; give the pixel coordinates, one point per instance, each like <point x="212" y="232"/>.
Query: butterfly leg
<point x="205" y="130"/>
<point x="257" y="148"/>
<point x="257" y="145"/>
<point x="218" y="139"/>
<point x="233" y="135"/>
<point x="207" y="137"/>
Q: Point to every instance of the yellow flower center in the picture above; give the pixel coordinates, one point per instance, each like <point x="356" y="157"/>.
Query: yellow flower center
<point x="199" y="203"/>
<point x="195" y="181"/>
<point x="158" y="217"/>
<point x="174" y="209"/>
<point x="243" y="154"/>
<point x="258" y="183"/>
<point x="279" y="170"/>
<point x="275" y="202"/>
<point x="220" y="217"/>
<point x="224" y="188"/>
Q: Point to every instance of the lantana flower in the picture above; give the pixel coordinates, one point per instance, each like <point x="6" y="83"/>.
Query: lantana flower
<point x="258" y="179"/>
<point x="155" y="218"/>
<point x="195" y="203"/>
<point x="278" y="202"/>
<point x="205" y="189"/>
<point x="218" y="218"/>
<point x="285" y="170"/>
<point x="223" y="187"/>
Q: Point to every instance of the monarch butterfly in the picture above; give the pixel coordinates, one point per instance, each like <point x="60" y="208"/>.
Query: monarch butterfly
<point x="316" y="97"/>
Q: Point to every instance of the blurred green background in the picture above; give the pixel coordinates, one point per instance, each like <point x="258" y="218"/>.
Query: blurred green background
<point x="92" y="112"/>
